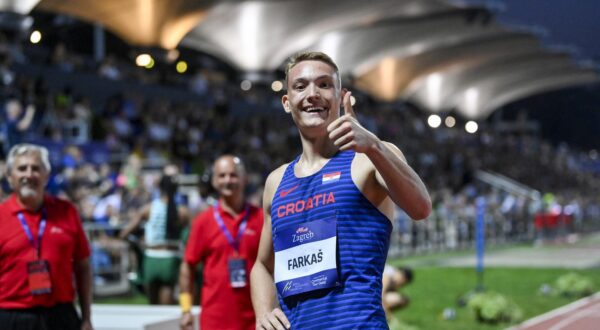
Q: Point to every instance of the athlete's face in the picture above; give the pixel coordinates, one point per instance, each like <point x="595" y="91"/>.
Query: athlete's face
<point x="28" y="177"/>
<point x="314" y="94"/>
<point x="228" y="177"/>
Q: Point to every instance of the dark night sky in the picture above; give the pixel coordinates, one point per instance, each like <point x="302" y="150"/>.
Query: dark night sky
<point x="567" y="22"/>
<point x="571" y="115"/>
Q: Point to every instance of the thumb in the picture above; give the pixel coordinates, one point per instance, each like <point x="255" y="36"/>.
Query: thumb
<point x="347" y="100"/>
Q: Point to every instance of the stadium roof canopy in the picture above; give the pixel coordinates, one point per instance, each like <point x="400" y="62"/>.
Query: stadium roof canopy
<point x="440" y="54"/>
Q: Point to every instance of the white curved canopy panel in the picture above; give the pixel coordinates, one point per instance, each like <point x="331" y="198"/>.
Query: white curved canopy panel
<point x="260" y="35"/>
<point x="474" y="101"/>
<point x="432" y="52"/>
<point x="445" y="85"/>
<point x="18" y="6"/>
<point x="139" y="22"/>
<point x="392" y="76"/>
<point x="400" y="38"/>
<point x="536" y="85"/>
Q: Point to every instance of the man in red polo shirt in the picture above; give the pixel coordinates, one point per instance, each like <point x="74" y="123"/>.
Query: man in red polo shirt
<point x="225" y="239"/>
<point x="42" y="245"/>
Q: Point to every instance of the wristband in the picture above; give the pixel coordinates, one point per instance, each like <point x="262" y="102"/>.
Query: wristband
<point x="185" y="301"/>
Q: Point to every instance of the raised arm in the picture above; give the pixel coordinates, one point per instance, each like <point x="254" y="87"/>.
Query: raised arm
<point x="264" y="296"/>
<point x="404" y="186"/>
<point x="25" y="122"/>
<point x="392" y="173"/>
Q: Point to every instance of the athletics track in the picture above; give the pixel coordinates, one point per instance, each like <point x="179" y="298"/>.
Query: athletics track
<point x="583" y="314"/>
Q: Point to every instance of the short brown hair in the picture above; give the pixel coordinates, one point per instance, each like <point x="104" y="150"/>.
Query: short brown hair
<point x="310" y="56"/>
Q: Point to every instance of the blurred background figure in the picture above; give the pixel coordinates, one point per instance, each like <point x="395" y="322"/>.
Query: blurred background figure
<point x="17" y="122"/>
<point x="163" y="219"/>
<point x="395" y="278"/>
<point x="224" y="238"/>
<point x="44" y="253"/>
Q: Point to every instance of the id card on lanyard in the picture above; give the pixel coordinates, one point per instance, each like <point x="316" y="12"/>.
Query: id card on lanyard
<point x="236" y="265"/>
<point x="38" y="271"/>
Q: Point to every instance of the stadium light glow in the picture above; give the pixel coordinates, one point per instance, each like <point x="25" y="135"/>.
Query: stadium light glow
<point x="450" y="121"/>
<point x="172" y="55"/>
<point x="471" y="101"/>
<point x="434" y="90"/>
<point x="277" y="86"/>
<point x="181" y="67"/>
<point x="246" y="85"/>
<point x="434" y="121"/>
<point x="471" y="127"/>
<point x="150" y="65"/>
<point x="330" y="44"/>
<point x="143" y="60"/>
<point x="387" y="69"/>
<point x="35" y="37"/>
<point x="249" y="30"/>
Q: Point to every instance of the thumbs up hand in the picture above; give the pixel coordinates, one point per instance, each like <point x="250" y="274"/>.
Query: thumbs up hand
<point x="347" y="133"/>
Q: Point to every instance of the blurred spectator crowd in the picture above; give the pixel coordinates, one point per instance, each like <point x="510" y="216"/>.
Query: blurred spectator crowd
<point x="108" y="148"/>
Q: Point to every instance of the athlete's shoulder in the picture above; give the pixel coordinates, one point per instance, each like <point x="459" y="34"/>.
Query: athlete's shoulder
<point x="361" y="160"/>
<point x="275" y="177"/>
<point x="272" y="182"/>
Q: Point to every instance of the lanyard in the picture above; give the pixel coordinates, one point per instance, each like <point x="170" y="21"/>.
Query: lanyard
<point x="36" y="245"/>
<point x="235" y="243"/>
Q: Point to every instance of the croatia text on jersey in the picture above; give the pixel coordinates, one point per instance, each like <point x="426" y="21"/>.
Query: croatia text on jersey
<point x="302" y="205"/>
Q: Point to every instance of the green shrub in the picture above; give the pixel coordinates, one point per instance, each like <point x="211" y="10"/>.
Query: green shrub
<point x="574" y="285"/>
<point x="492" y="307"/>
<point x="396" y="324"/>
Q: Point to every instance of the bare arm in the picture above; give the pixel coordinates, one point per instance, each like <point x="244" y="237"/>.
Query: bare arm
<point x="404" y="186"/>
<point x="186" y="286"/>
<point x="194" y="254"/>
<point x="135" y="222"/>
<point x="264" y="296"/>
<point x="25" y="122"/>
<point x="392" y="173"/>
<point x="186" y="277"/>
<point x="83" y="277"/>
<point x="184" y="215"/>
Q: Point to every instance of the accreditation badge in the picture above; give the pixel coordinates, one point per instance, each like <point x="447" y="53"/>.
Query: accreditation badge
<point x="39" y="277"/>
<point x="237" y="272"/>
<point x="305" y="257"/>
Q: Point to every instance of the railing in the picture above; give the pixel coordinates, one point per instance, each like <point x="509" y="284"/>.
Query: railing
<point x="506" y="184"/>
<point x="451" y="226"/>
<point x="444" y="230"/>
<point x="448" y="231"/>
<point x="110" y="261"/>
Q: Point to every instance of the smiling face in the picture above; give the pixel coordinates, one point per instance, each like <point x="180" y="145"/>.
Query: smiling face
<point x="28" y="177"/>
<point x="229" y="177"/>
<point x="314" y="94"/>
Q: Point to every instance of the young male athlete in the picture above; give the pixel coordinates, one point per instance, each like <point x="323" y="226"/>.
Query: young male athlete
<point x="327" y="213"/>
